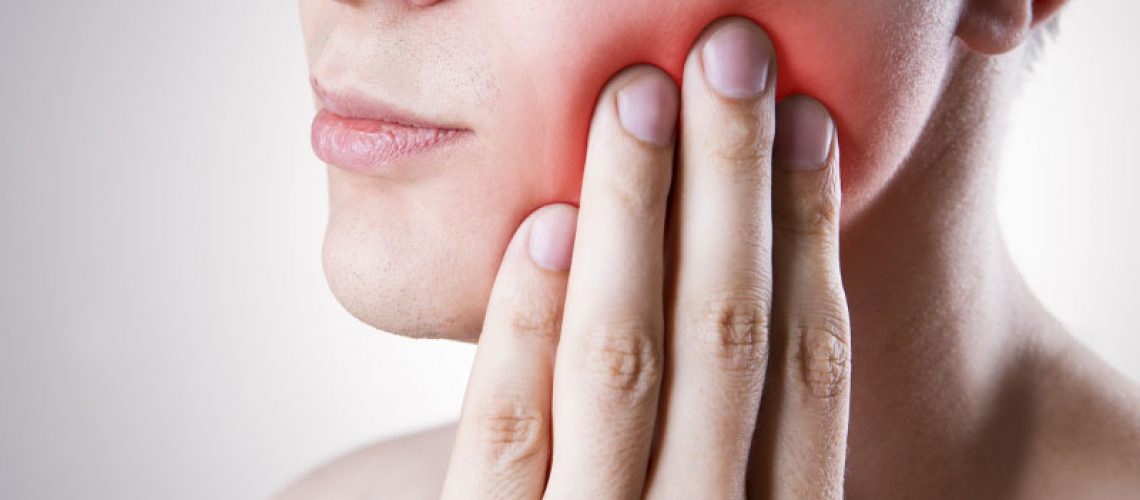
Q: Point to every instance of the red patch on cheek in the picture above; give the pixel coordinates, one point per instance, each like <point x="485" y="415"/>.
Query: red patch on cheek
<point x="568" y="77"/>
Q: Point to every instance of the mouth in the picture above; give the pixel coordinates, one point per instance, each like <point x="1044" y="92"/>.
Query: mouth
<point x="368" y="136"/>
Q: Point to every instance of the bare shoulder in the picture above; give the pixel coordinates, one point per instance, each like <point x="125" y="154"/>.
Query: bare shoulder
<point x="1089" y="428"/>
<point x="409" y="467"/>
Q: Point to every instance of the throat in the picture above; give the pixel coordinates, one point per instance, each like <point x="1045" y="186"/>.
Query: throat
<point x="944" y="328"/>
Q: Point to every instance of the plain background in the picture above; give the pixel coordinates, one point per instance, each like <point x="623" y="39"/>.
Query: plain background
<point x="165" y="330"/>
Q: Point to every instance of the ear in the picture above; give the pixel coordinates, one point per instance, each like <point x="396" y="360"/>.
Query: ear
<point x="999" y="26"/>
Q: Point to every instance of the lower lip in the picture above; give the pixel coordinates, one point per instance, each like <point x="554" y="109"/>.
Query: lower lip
<point x="371" y="146"/>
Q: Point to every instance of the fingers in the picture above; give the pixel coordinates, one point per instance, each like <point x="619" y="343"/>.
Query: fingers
<point x="810" y="307"/>
<point x="608" y="368"/>
<point x="502" y="444"/>
<point x="718" y="330"/>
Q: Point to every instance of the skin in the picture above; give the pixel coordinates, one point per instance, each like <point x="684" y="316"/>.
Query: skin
<point x="961" y="385"/>
<point x="509" y="77"/>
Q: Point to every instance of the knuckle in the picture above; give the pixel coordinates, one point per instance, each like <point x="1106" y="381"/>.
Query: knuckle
<point x="742" y="143"/>
<point x="511" y="432"/>
<point x="639" y="187"/>
<point x="624" y="362"/>
<point x="807" y="214"/>
<point x="824" y="354"/>
<point x="733" y="330"/>
<point x="536" y="316"/>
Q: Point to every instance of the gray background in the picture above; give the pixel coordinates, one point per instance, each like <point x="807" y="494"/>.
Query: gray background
<point x="165" y="331"/>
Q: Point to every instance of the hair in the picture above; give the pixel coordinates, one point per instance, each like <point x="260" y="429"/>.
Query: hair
<point x="1040" y="37"/>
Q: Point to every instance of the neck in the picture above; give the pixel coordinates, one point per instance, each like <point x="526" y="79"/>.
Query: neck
<point x="939" y="312"/>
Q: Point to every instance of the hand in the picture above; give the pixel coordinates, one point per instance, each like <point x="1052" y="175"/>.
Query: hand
<point x="639" y="372"/>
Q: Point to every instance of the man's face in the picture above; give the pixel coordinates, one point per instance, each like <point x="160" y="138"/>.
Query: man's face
<point x="415" y="250"/>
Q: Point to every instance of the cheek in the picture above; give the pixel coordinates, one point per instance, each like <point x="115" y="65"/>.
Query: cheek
<point x="420" y="259"/>
<point x="878" y="84"/>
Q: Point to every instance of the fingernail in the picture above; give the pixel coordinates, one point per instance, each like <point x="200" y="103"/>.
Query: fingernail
<point x="552" y="237"/>
<point x="647" y="107"/>
<point x="736" y="60"/>
<point x="803" y="134"/>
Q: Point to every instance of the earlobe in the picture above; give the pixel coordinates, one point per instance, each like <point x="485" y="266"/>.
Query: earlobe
<point x="1044" y="10"/>
<point x="999" y="26"/>
<point x="994" y="26"/>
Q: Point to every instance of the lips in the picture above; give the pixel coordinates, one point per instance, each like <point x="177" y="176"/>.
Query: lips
<point x="370" y="137"/>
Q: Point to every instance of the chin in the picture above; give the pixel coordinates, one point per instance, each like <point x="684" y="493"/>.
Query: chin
<point x="415" y="272"/>
<point x="411" y="298"/>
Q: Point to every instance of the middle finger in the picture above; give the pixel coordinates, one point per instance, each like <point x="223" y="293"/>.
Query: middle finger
<point x="717" y="344"/>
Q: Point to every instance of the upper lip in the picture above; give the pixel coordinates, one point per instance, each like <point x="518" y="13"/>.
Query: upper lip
<point x="350" y="103"/>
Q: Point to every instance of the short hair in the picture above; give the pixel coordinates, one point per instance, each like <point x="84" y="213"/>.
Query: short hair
<point x="1039" y="38"/>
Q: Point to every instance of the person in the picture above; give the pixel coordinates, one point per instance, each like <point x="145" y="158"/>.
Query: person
<point x="707" y="248"/>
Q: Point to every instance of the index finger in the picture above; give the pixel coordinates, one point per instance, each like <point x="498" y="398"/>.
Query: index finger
<point x="608" y="369"/>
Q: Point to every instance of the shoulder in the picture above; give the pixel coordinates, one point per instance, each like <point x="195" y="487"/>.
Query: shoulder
<point x="408" y="467"/>
<point x="1088" y="426"/>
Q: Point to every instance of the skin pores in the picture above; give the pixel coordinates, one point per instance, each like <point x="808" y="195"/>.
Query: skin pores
<point x="416" y="252"/>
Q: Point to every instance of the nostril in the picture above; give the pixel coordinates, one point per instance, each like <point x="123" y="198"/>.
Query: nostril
<point x="423" y="3"/>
